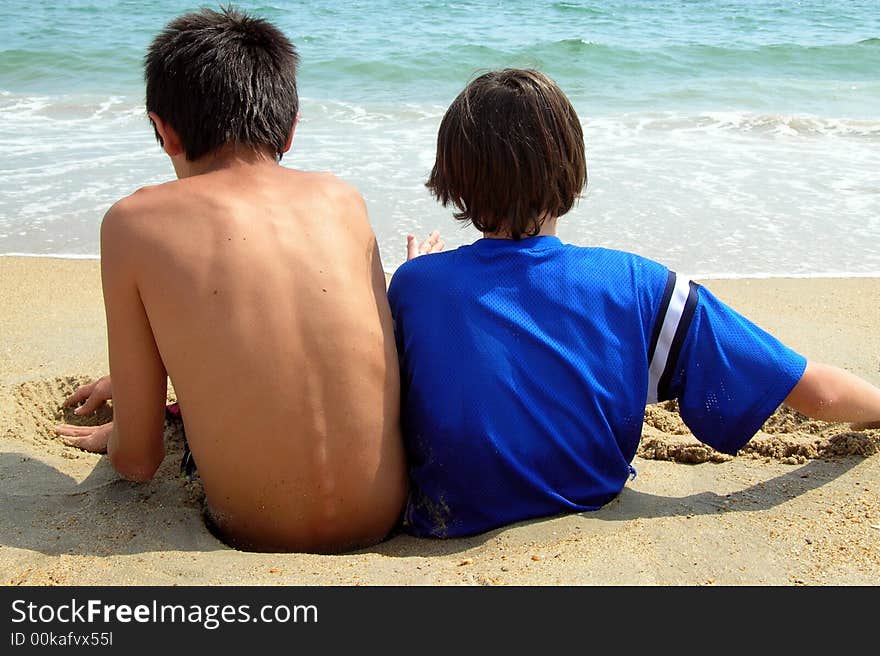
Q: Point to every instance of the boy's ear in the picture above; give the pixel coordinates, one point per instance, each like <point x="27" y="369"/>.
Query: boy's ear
<point x="167" y="136"/>
<point x="289" y="142"/>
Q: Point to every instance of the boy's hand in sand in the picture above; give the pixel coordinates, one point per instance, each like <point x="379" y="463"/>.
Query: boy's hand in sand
<point x="433" y="244"/>
<point x="89" y="438"/>
<point x="92" y="396"/>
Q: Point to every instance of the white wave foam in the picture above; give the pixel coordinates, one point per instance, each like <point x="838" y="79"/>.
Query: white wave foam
<point x="743" y="122"/>
<point x="54" y="256"/>
<point x="777" y="275"/>
<point x="70" y="110"/>
<point x="347" y="112"/>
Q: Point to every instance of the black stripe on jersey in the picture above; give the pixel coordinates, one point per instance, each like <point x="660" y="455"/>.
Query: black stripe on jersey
<point x="661" y="314"/>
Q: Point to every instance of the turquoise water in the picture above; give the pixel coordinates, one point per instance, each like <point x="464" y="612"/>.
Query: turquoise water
<point x="723" y="138"/>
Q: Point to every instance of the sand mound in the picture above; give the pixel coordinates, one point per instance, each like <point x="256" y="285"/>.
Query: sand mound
<point x="677" y="447"/>
<point x="665" y="418"/>
<point x="797" y="448"/>
<point x="787" y="436"/>
<point x="788" y="421"/>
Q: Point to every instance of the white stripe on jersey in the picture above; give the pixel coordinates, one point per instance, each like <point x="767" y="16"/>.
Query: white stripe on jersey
<point x="667" y="334"/>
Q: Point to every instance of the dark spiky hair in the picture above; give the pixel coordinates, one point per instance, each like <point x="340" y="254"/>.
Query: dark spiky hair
<point x="220" y="77"/>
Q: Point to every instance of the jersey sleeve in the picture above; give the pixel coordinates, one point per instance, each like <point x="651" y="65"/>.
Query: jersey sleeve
<point x="728" y="374"/>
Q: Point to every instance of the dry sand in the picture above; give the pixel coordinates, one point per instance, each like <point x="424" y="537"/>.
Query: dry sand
<point x="799" y="505"/>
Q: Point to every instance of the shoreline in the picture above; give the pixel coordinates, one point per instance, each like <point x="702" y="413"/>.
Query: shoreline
<point x="798" y="507"/>
<point x="696" y="277"/>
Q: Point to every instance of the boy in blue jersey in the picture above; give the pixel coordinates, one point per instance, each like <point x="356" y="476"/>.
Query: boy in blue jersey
<point x="527" y="363"/>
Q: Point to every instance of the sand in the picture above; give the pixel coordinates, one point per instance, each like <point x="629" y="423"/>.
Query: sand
<point x="798" y="506"/>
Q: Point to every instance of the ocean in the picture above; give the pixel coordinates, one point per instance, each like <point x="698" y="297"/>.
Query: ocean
<point x="724" y="138"/>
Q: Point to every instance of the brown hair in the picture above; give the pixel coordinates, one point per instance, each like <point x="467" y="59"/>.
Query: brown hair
<point x="510" y="153"/>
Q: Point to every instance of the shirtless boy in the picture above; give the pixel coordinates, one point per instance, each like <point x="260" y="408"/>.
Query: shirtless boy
<point x="259" y="291"/>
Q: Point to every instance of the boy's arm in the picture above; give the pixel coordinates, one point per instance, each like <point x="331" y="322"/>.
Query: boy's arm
<point x="831" y="394"/>
<point x="136" y="447"/>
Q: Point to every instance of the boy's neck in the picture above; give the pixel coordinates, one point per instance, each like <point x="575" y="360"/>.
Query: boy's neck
<point x="227" y="157"/>
<point x="548" y="229"/>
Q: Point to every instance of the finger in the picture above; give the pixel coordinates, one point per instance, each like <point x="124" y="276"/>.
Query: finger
<point x="439" y="247"/>
<point x="105" y="386"/>
<point x="81" y="393"/>
<point x="74" y="431"/>
<point x="87" y="443"/>
<point x="92" y="403"/>
<point x="72" y="440"/>
<point x="428" y="244"/>
<point x="412" y="248"/>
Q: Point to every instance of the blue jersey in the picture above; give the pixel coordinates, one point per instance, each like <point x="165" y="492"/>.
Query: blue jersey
<point x="526" y="367"/>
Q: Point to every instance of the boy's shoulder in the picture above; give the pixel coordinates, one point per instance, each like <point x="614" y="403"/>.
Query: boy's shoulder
<point x="140" y="203"/>
<point x="146" y="209"/>
<point x="610" y="261"/>
<point x="146" y="198"/>
<point x="135" y="226"/>
<point x="323" y="182"/>
<point x="426" y="266"/>
<point x="422" y="272"/>
<point x="324" y="194"/>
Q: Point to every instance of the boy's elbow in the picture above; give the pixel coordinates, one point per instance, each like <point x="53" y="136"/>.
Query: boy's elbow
<point x="809" y="407"/>
<point x="138" y="470"/>
<point x="815" y="395"/>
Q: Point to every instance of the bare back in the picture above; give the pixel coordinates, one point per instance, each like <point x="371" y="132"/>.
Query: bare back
<point x="265" y="296"/>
